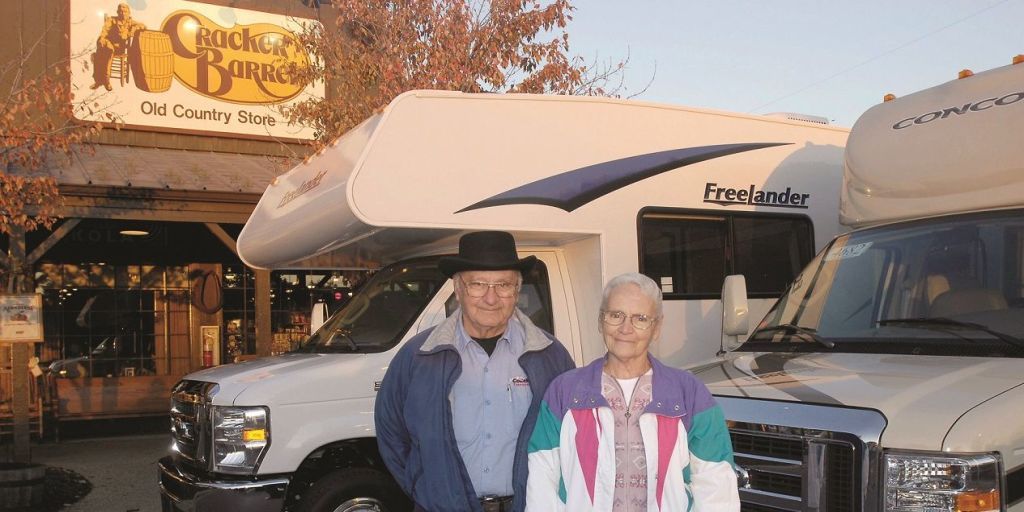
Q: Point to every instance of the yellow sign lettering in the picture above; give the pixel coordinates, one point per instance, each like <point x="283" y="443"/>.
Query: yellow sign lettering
<point x="242" y="64"/>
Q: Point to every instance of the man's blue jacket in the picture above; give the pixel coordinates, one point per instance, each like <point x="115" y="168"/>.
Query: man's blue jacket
<point x="413" y="415"/>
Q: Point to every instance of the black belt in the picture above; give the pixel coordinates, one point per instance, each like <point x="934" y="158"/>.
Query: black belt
<point x="493" y="503"/>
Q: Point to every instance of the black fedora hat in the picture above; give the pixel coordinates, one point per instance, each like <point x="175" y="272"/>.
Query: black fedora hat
<point x="486" y="250"/>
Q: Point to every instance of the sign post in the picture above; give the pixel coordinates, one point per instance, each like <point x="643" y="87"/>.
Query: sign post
<point x="21" y="324"/>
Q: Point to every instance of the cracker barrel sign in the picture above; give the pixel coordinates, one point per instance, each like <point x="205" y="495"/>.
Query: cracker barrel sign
<point x="21" y="318"/>
<point x="188" y="66"/>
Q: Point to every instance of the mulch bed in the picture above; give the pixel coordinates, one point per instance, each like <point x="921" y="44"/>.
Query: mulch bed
<point x="63" y="487"/>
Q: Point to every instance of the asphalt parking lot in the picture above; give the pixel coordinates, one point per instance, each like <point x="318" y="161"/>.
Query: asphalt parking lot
<point x="122" y="470"/>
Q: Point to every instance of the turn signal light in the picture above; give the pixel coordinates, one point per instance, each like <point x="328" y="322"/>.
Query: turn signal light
<point x="978" y="501"/>
<point x="889" y="97"/>
<point x="261" y="435"/>
<point x="964" y="73"/>
<point x="1017" y="59"/>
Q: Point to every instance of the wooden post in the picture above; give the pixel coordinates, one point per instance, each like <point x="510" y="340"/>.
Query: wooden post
<point x="19" y="402"/>
<point x="264" y="336"/>
<point x="223" y="236"/>
<point x="20" y="353"/>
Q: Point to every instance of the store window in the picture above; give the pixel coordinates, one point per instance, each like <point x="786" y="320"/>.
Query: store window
<point x="293" y="293"/>
<point x="689" y="253"/>
<point x="239" y="292"/>
<point x="114" y="320"/>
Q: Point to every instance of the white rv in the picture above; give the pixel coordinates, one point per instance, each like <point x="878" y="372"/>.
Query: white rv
<point x="889" y="376"/>
<point x="591" y="186"/>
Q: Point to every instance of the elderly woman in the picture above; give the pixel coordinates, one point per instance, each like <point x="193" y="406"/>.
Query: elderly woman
<point x="627" y="433"/>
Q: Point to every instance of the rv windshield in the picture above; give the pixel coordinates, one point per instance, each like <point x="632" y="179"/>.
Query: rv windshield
<point x="943" y="286"/>
<point x="381" y="311"/>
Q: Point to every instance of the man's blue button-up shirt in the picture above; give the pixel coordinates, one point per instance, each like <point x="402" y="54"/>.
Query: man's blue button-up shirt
<point x="489" y="402"/>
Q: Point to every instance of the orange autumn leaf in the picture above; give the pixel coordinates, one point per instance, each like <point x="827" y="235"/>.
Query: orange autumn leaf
<point x="370" y="52"/>
<point x="36" y="126"/>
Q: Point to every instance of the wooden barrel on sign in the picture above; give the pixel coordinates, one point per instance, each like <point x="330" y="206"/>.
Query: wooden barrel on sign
<point x="152" y="61"/>
<point x="21" y="486"/>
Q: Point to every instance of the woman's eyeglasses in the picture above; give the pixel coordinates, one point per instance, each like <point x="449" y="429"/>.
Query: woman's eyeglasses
<point x="640" y="321"/>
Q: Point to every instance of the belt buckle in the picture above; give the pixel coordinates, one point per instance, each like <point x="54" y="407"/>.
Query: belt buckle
<point x="491" y="503"/>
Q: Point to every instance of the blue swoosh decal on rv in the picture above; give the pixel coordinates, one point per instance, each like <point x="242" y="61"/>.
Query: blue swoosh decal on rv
<point x="572" y="189"/>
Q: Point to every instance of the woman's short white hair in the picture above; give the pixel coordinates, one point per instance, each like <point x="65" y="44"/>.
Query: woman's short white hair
<point x="646" y="285"/>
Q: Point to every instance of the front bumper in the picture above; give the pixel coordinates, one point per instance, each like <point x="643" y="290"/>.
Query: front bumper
<point x="185" y="492"/>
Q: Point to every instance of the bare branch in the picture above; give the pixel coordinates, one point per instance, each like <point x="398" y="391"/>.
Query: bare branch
<point x="37" y="124"/>
<point x="378" y="50"/>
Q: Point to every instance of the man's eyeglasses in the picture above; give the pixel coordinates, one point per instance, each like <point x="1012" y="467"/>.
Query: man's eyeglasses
<point x="478" y="289"/>
<point x="640" y="321"/>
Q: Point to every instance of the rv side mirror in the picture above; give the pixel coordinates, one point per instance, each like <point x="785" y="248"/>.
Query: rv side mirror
<point x="734" y="306"/>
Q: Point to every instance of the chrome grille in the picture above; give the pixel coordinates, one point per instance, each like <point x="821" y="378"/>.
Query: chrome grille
<point x="784" y="468"/>
<point x="841" y="477"/>
<point x="190" y="425"/>
<point x="805" y="457"/>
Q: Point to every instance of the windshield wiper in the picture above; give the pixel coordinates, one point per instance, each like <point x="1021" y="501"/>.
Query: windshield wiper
<point x="344" y="334"/>
<point x="944" y="324"/>
<point x="798" y="330"/>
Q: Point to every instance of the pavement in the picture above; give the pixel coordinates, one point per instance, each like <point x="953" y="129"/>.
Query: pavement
<point x="122" y="470"/>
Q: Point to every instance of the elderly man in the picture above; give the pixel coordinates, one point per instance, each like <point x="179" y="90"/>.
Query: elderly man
<point x="114" y="40"/>
<point x="458" y="402"/>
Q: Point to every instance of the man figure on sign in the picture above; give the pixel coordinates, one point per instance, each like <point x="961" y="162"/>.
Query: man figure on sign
<point x="459" y="401"/>
<point x="114" y="40"/>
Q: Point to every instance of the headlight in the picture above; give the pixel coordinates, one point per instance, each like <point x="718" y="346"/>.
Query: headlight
<point x="241" y="436"/>
<point x="922" y="482"/>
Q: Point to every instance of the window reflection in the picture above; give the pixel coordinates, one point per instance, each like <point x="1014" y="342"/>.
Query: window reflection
<point x="103" y="320"/>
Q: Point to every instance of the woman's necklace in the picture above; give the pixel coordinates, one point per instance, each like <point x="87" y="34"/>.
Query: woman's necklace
<point x="628" y="374"/>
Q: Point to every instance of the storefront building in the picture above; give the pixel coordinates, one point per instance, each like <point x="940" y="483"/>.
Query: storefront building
<point x="140" y="280"/>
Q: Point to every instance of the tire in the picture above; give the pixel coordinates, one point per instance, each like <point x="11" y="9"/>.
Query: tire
<point x="354" y="490"/>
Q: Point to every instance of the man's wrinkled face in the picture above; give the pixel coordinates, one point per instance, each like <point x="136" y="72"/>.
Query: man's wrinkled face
<point x="487" y="315"/>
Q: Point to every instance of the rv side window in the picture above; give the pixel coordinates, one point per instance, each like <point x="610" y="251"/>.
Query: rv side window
<point x="534" y="298"/>
<point x="690" y="253"/>
<point x="770" y="251"/>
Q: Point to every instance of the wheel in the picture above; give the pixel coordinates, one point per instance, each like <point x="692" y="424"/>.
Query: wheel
<point x="354" y="490"/>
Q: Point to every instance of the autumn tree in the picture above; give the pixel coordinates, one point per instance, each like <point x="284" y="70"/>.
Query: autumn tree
<point x="370" y="52"/>
<point x="37" y="127"/>
<point x="36" y="124"/>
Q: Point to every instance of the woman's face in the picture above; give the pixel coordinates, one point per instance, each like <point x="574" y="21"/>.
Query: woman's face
<point x="624" y="341"/>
